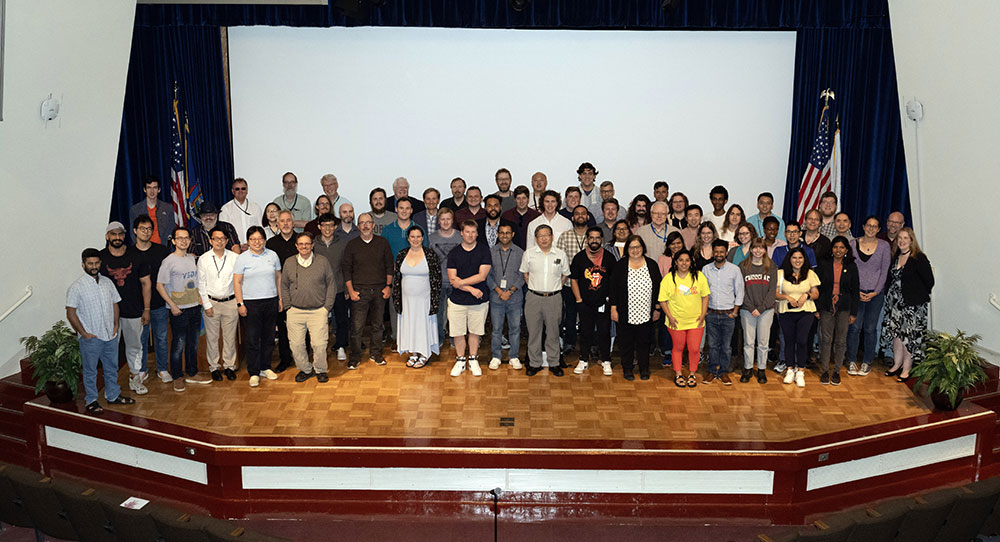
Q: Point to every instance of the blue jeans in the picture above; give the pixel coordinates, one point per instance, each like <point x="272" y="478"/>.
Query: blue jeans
<point x="719" y="328"/>
<point x="158" y="322"/>
<point x="511" y="310"/>
<point x="92" y="352"/>
<point x="186" y="330"/>
<point x="867" y="320"/>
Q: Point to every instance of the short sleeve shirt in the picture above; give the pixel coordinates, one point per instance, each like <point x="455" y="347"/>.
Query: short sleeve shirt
<point x="125" y="272"/>
<point x="179" y="276"/>
<point x="466" y="264"/>
<point x="684" y="298"/>
<point x="592" y="278"/>
<point x="258" y="273"/>
<point x="803" y="287"/>
<point x="94" y="301"/>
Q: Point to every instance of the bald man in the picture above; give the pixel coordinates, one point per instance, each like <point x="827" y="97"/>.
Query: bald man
<point x="893" y="224"/>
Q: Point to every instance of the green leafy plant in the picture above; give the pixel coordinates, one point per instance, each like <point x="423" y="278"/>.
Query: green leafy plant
<point x="951" y="364"/>
<point x="54" y="356"/>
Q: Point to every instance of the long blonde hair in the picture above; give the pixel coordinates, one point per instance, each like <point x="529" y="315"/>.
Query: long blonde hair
<point x="914" y="245"/>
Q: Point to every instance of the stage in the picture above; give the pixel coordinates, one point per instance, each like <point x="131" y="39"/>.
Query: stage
<point x="417" y="441"/>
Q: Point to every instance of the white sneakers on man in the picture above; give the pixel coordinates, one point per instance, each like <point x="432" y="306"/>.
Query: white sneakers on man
<point x="800" y="378"/>
<point x="580" y="367"/>
<point x="606" y="367"/>
<point x="165" y="377"/>
<point x="254" y="381"/>
<point x="269" y="374"/>
<point x="474" y="367"/>
<point x="515" y="364"/>
<point x="459" y="366"/>
<point x="494" y="364"/>
<point x="341" y="354"/>
<point x="789" y="375"/>
<point x="136" y="385"/>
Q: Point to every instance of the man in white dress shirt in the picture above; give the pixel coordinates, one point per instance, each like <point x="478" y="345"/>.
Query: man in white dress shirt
<point x="545" y="269"/>
<point x="218" y="303"/>
<point x="240" y="211"/>
<point x="550" y="217"/>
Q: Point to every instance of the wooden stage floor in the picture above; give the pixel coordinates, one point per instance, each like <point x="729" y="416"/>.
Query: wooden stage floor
<point x="396" y="402"/>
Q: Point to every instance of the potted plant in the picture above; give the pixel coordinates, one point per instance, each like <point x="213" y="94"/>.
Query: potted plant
<point x="951" y="366"/>
<point x="55" y="361"/>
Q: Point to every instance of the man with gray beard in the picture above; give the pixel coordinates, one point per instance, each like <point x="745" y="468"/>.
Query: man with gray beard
<point x="200" y="237"/>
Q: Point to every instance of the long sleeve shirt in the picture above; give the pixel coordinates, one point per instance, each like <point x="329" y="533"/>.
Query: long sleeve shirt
<point x="506" y="266"/>
<point x="726" y="285"/>
<point x="215" y="276"/>
<point x="872" y="274"/>
<point x="367" y="264"/>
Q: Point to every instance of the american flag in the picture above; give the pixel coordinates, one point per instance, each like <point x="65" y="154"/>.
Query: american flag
<point x="178" y="154"/>
<point x="823" y="172"/>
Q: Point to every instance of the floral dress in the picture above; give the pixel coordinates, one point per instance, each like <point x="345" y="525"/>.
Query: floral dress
<point x="907" y="322"/>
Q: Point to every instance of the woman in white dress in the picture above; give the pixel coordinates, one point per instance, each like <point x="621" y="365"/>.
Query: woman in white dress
<point x="416" y="293"/>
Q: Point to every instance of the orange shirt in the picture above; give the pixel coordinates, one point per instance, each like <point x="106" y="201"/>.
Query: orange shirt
<point x="151" y="211"/>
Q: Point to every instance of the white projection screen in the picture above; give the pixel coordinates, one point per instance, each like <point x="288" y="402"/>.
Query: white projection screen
<point x="371" y="104"/>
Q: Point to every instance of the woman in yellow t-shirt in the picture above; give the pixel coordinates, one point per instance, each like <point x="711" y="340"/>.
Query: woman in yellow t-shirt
<point x="684" y="299"/>
<point x="797" y="291"/>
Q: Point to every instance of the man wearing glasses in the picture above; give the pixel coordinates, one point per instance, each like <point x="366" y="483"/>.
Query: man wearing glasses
<point x="240" y="211"/>
<point x="893" y="224"/>
<point x="291" y="200"/>
<point x="307" y="291"/>
<point x="218" y="300"/>
<point x="368" y="266"/>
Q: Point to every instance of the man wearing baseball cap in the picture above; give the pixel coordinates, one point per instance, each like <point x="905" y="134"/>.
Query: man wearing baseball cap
<point x="125" y="267"/>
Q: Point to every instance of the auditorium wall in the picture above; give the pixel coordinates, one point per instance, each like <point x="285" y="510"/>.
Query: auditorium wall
<point x="57" y="176"/>
<point x="946" y="58"/>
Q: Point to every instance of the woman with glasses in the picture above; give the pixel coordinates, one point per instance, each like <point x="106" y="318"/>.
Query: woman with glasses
<point x="321" y="207"/>
<point x="634" y="291"/>
<point x="872" y="258"/>
<point x="702" y="249"/>
<point x="745" y="234"/>
<point x="269" y="220"/>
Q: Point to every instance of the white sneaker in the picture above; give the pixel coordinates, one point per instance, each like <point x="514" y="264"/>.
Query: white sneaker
<point x="800" y="378"/>
<point x="474" y="367"/>
<point x="136" y="385"/>
<point x="341" y="355"/>
<point x="269" y="374"/>
<point x="459" y="367"/>
<point x="144" y="375"/>
<point x="789" y="376"/>
<point x="852" y="368"/>
<point x="165" y="377"/>
<point x="606" y="366"/>
<point x="580" y="367"/>
<point x="515" y="364"/>
<point x="254" y="381"/>
<point x="494" y="364"/>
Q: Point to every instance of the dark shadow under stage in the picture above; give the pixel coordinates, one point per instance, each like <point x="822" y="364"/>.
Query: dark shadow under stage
<point x="396" y="440"/>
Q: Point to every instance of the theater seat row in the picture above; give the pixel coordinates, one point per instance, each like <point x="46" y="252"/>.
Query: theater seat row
<point x="70" y="511"/>
<point x="946" y="515"/>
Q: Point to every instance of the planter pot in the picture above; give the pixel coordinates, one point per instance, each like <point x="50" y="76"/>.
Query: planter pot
<point x="941" y="401"/>
<point x="58" y="392"/>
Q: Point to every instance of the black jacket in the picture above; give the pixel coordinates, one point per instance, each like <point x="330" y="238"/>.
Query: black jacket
<point x="619" y="287"/>
<point x="850" y="287"/>
<point x="916" y="278"/>
<point x="434" y="268"/>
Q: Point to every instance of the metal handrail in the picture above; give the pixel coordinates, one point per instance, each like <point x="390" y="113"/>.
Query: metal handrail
<point x="18" y="303"/>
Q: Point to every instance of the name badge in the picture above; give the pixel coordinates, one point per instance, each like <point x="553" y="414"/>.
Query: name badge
<point x="503" y="284"/>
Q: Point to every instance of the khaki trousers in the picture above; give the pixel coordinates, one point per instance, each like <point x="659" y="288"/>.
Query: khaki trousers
<point x="314" y="320"/>
<point x="225" y="319"/>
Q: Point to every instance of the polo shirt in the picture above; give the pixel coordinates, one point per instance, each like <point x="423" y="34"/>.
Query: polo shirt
<point x="545" y="269"/>
<point x="258" y="270"/>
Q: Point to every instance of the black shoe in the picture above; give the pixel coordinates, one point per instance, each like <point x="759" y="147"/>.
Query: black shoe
<point x="322" y="378"/>
<point x="282" y="367"/>
<point x="352" y="365"/>
<point x="835" y="378"/>
<point x="217" y="375"/>
<point x="379" y="361"/>
<point x="230" y="374"/>
<point x="556" y="371"/>
<point x="303" y="376"/>
<point x="532" y="371"/>
<point x="761" y="376"/>
<point x="643" y="376"/>
<point x="894" y="373"/>
<point x="824" y="378"/>
<point x="629" y="376"/>
<point x="745" y="377"/>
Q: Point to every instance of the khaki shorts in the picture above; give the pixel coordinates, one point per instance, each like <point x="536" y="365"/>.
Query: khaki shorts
<point x="464" y="319"/>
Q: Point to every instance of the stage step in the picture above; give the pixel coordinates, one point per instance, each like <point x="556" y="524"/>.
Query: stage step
<point x="11" y="423"/>
<point x="15" y="450"/>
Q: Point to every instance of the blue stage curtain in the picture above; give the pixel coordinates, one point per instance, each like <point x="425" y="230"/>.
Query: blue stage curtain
<point x="191" y="56"/>
<point x="858" y="65"/>
<point x="845" y="46"/>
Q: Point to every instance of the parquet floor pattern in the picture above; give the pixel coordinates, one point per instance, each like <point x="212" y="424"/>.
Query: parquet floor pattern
<point x="394" y="401"/>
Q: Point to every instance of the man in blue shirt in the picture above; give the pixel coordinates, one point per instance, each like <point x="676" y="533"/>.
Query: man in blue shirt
<point x="765" y="202"/>
<point x="793" y="235"/>
<point x="506" y="284"/>
<point x="725" y="282"/>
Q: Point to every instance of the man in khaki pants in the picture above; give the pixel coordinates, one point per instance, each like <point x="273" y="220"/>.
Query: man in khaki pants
<point x="215" y="285"/>
<point x="307" y="291"/>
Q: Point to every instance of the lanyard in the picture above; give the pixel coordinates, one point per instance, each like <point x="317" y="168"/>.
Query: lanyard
<point x="503" y="263"/>
<point x="218" y="269"/>
<point x="662" y="237"/>
<point x="292" y="206"/>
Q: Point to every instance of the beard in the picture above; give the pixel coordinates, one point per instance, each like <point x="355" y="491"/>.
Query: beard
<point x="594" y="247"/>
<point x="117" y="243"/>
<point x="378" y="208"/>
<point x="641" y="212"/>
<point x="209" y="224"/>
<point x="493" y="214"/>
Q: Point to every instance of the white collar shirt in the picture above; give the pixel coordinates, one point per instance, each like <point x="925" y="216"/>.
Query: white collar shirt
<point x="545" y="270"/>
<point x="215" y="276"/>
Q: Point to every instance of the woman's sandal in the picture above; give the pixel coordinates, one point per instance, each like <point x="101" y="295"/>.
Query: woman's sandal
<point x="122" y="400"/>
<point x="421" y="361"/>
<point x="412" y="361"/>
<point x="94" y="409"/>
<point x="692" y="381"/>
<point x="680" y="381"/>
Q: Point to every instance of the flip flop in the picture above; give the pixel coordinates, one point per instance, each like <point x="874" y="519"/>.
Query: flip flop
<point x="122" y="400"/>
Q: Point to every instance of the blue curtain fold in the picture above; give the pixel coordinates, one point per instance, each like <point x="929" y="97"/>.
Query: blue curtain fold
<point x="191" y="56"/>
<point x="846" y="46"/>
<point x="858" y="65"/>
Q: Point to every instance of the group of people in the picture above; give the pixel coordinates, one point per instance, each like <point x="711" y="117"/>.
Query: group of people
<point x="576" y="266"/>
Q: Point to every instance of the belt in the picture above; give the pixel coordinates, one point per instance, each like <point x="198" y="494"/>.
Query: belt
<point x="220" y="300"/>
<point x="721" y="311"/>
<point x="546" y="294"/>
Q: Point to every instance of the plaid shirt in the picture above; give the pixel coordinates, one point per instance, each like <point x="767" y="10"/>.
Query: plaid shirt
<point x="94" y="301"/>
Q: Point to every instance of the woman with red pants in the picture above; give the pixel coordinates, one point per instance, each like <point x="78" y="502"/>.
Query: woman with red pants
<point x="684" y="300"/>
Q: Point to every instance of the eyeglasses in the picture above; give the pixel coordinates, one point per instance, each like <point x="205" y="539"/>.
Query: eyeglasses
<point x="303" y="244"/>
<point x="871" y="226"/>
<point x="239" y="189"/>
<point x="144" y="228"/>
